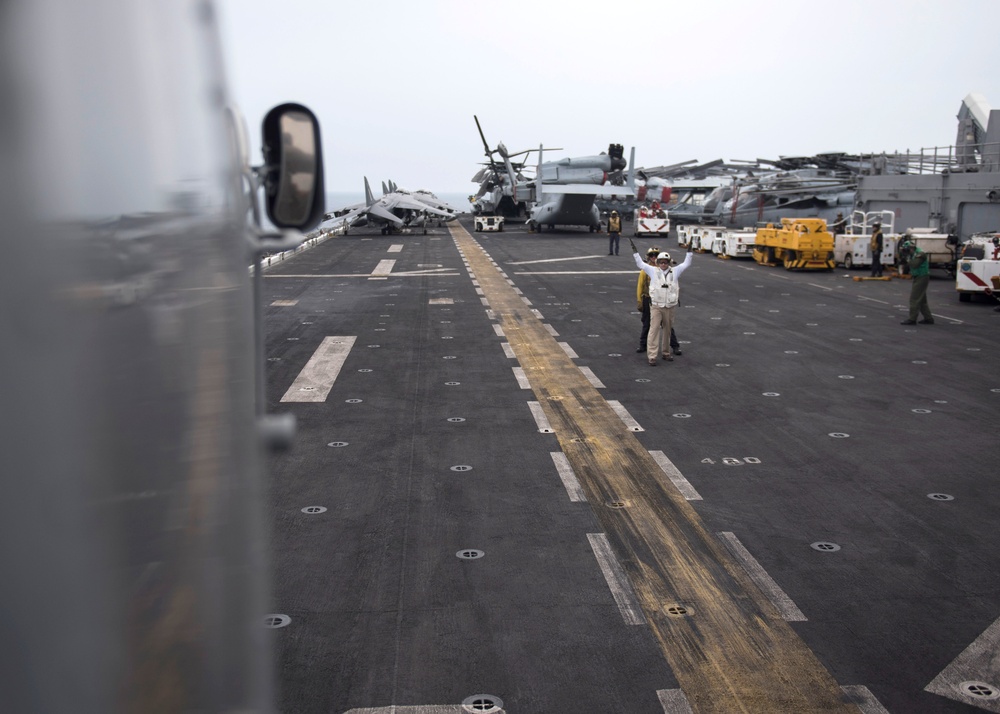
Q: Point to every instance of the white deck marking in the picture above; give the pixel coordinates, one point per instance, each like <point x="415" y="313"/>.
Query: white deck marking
<point x="821" y="287"/>
<point x="397" y="248"/>
<point x="508" y="350"/>
<point x="557" y="260"/>
<point x="284" y="303"/>
<point x="979" y="662"/>
<point x="498" y="329"/>
<point x="526" y="301"/>
<point x="765" y="582"/>
<point x="484" y="301"/>
<point x="675" y="476"/>
<point x="441" y="301"/>
<point x="568" y="350"/>
<point x="537" y="314"/>
<point x="568" y="476"/>
<point x="540" y="419"/>
<point x="420" y="709"/>
<point x="592" y="378"/>
<point x="383" y="268"/>
<point x="479" y="291"/>
<point x="868" y="299"/>
<point x="623" y="414"/>
<point x="633" y="271"/>
<point x="673" y="701"/>
<point x="551" y="329"/>
<point x="522" y="380"/>
<point x="865" y="700"/>
<point x="618" y="582"/>
<point x="437" y="273"/>
<point x="317" y="377"/>
<point x="945" y="317"/>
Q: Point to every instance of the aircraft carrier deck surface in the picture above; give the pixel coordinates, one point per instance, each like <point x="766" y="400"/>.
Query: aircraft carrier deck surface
<point x="494" y="504"/>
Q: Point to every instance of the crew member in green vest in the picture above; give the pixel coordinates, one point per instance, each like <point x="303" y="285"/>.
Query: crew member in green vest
<point x="916" y="259"/>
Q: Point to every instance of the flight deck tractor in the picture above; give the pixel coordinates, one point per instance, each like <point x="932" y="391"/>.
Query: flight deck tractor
<point x="489" y="224"/>
<point x="651" y="220"/>
<point x="978" y="268"/>
<point x="798" y="244"/>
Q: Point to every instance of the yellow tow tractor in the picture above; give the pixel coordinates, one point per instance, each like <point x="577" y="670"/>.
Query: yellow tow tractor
<point x="798" y="244"/>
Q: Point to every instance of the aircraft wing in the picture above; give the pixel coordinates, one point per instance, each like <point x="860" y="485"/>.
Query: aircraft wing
<point x="383" y="212"/>
<point x="402" y="201"/>
<point x="437" y="203"/>
<point x="347" y="218"/>
<point x="586" y="189"/>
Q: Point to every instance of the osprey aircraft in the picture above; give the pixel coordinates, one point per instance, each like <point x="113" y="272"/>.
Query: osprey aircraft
<point x="565" y="190"/>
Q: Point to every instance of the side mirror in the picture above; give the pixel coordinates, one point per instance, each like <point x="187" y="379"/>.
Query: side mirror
<point x="293" y="154"/>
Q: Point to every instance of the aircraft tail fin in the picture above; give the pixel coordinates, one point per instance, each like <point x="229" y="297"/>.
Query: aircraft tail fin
<point x="369" y="198"/>
<point x="392" y="186"/>
<point x="385" y="189"/>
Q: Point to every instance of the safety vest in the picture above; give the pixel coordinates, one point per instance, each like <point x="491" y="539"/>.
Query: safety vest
<point x="664" y="290"/>
<point x="919" y="265"/>
<point x="614" y="224"/>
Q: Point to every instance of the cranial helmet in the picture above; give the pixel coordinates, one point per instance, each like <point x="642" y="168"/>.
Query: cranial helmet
<point x="663" y="256"/>
<point x="653" y="251"/>
<point x="614" y="213"/>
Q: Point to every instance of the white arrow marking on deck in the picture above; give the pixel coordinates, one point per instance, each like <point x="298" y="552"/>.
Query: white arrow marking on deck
<point x="383" y="268"/>
<point x="865" y="700"/>
<point x="540" y="419"/>
<point x="623" y="414"/>
<point x="765" y="582"/>
<point x="675" y="476"/>
<point x="316" y="379"/>
<point x="568" y="350"/>
<point x="567" y="476"/>
<point x="592" y="378"/>
<point x="621" y="588"/>
<point x="979" y="662"/>
<point x="673" y="701"/>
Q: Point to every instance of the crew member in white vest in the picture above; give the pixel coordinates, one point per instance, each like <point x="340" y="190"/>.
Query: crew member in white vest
<point x="664" y="292"/>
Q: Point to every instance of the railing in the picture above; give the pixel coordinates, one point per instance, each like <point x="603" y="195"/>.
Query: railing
<point x="933" y="160"/>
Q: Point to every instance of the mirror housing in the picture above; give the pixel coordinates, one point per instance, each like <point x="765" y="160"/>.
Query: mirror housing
<point x="293" y="158"/>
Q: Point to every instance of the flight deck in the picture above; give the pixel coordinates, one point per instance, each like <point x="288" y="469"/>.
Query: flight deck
<point x="493" y="503"/>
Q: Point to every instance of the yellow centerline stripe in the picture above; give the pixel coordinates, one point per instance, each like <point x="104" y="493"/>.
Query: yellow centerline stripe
<point x="732" y="651"/>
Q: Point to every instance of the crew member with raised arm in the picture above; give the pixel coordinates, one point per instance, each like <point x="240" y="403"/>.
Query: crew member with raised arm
<point x="664" y="292"/>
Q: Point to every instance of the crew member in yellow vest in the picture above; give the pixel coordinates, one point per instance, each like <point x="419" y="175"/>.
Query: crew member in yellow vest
<point x="614" y="232"/>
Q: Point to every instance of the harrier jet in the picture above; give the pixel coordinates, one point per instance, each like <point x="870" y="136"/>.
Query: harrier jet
<point x="395" y="210"/>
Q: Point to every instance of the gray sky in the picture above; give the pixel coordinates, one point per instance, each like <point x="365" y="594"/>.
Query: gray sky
<point x="395" y="83"/>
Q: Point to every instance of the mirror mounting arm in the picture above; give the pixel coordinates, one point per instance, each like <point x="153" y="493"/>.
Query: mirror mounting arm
<point x="263" y="242"/>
